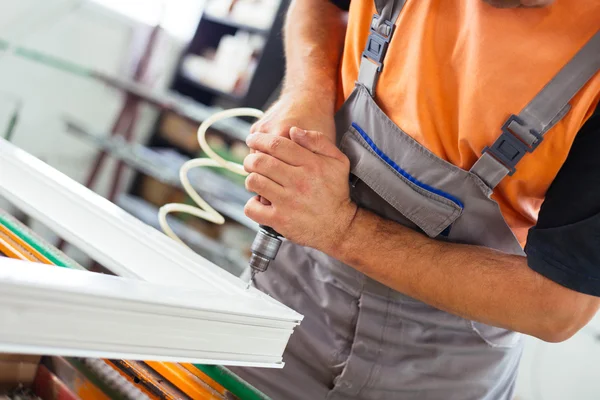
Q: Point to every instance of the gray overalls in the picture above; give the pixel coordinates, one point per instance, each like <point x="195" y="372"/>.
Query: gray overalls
<point x="363" y="340"/>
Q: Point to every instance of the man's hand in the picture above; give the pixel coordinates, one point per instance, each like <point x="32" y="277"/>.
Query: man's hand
<point x="296" y="107"/>
<point x="306" y="180"/>
<point x="313" y="37"/>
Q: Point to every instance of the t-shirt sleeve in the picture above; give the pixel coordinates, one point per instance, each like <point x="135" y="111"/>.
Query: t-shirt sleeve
<point x="343" y="4"/>
<point x="564" y="246"/>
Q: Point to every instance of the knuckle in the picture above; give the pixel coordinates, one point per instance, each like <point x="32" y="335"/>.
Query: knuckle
<point x="248" y="162"/>
<point x="252" y="162"/>
<point x="274" y="143"/>
<point x="252" y="182"/>
<point x="261" y="161"/>
<point x="259" y="126"/>
<point x="257" y="161"/>
<point x="255" y="179"/>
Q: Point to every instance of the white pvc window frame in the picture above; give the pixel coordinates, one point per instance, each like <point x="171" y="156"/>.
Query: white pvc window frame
<point x="134" y="250"/>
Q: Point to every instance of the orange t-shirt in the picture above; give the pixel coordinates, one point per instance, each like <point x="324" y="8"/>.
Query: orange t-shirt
<point x="455" y="70"/>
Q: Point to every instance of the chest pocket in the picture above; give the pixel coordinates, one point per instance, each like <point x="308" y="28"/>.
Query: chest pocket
<point x="380" y="185"/>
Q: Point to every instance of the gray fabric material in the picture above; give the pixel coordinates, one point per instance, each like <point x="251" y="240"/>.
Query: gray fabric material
<point x="368" y="74"/>
<point x="363" y="340"/>
<point x="317" y="351"/>
<point x="388" y="10"/>
<point x="430" y="212"/>
<point x="548" y="107"/>
<point x="422" y="164"/>
<point x="553" y="100"/>
<point x="490" y="170"/>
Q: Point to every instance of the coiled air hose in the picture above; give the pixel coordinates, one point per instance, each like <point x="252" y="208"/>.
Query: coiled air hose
<point x="203" y="209"/>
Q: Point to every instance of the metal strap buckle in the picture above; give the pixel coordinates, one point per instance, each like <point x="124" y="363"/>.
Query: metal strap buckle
<point x="508" y="148"/>
<point x="378" y="41"/>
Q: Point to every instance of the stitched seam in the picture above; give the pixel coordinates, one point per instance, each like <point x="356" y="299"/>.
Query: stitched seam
<point x="391" y="163"/>
<point x="416" y="145"/>
<point x="433" y="196"/>
<point x="410" y="141"/>
<point x="413" y="216"/>
<point x="456" y="211"/>
<point x="334" y="390"/>
<point x="383" y="330"/>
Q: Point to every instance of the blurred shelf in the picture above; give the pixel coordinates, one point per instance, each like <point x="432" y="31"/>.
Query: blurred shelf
<point x="221" y="193"/>
<point x="227" y="21"/>
<point x="181" y="105"/>
<point x="199" y="85"/>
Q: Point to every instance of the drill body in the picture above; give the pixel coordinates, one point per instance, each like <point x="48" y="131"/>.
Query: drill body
<point x="264" y="249"/>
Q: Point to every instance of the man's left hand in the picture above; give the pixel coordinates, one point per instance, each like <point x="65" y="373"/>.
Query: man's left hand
<point x="306" y="180"/>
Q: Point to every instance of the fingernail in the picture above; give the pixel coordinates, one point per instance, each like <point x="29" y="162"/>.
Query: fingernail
<point x="299" y="131"/>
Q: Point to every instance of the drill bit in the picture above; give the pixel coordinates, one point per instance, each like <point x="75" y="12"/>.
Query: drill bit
<point x="252" y="275"/>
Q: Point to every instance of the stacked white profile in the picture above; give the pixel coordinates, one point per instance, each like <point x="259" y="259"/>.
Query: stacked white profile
<point x="76" y="313"/>
<point x="188" y="309"/>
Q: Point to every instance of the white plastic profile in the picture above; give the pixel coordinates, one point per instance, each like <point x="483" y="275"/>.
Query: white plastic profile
<point x="61" y="311"/>
<point x="134" y="250"/>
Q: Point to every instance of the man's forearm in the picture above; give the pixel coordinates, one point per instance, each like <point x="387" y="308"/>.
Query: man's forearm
<point x="314" y="38"/>
<point x="470" y="281"/>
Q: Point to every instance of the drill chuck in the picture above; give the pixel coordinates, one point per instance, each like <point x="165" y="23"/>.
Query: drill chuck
<point x="264" y="248"/>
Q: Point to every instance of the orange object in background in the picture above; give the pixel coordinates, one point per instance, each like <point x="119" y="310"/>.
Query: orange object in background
<point x="168" y="381"/>
<point x="196" y="386"/>
<point x="204" y="378"/>
<point x="14" y="247"/>
<point x="145" y="382"/>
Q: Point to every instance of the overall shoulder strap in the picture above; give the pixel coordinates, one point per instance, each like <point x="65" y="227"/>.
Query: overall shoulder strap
<point x="382" y="29"/>
<point x="522" y="133"/>
<point x="389" y="10"/>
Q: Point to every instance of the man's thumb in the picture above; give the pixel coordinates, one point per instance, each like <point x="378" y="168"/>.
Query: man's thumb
<point x="314" y="141"/>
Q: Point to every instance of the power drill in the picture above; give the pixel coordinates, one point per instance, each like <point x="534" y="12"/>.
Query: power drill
<point x="264" y="249"/>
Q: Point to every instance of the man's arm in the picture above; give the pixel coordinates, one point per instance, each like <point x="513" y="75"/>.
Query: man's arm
<point x="306" y="179"/>
<point x="314" y="36"/>
<point x="470" y="281"/>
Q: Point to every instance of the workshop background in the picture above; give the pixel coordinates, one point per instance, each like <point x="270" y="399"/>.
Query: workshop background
<point x="66" y="96"/>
